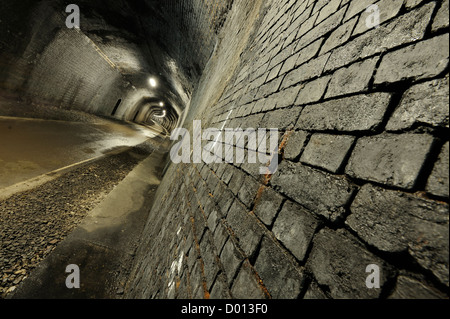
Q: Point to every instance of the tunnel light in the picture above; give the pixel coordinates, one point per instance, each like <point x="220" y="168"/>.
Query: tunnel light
<point x="153" y="82"/>
<point x="161" y="104"/>
<point x="161" y="116"/>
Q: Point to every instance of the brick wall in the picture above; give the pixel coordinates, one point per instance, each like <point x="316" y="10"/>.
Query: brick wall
<point x="363" y="150"/>
<point x="48" y="64"/>
<point x="72" y="74"/>
<point x="193" y="25"/>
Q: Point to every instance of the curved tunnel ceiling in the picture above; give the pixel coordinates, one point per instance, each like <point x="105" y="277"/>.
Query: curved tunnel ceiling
<point x="118" y="29"/>
<point x="156" y="38"/>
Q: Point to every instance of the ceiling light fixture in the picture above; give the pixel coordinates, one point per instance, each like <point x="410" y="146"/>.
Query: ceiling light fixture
<point x="164" y="113"/>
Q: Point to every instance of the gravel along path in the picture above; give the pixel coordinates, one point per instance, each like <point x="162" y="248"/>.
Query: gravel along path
<point x="32" y="223"/>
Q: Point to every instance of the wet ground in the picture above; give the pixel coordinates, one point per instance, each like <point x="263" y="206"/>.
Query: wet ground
<point x="32" y="147"/>
<point x="32" y="223"/>
<point x="104" y="241"/>
<point x="92" y="155"/>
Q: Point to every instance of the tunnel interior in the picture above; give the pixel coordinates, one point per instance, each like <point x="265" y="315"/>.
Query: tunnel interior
<point x="348" y="198"/>
<point x="132" y="51"/>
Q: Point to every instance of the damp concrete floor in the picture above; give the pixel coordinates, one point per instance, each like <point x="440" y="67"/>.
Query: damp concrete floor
<point x="102" y="246"/>
<point x="53" y="213"/>
<point x="32" y="147"/>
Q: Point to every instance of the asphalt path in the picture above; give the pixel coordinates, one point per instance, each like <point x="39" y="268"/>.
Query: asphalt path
<point x="33" y="147"/>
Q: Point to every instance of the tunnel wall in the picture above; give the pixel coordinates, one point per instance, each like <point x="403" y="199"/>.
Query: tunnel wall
<point x="362" y="180"/>
<point x="15" y="34"/>
<point x="53" y="65"/>
<point x="120" y="45"/>
<point x="194" y="24"/>
<point x="71" y="73"/>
